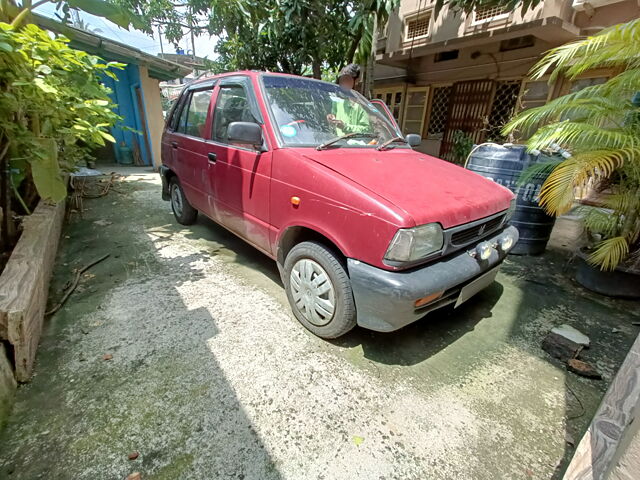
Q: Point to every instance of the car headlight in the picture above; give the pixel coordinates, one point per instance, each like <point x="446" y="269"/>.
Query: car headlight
<point x="512" y="209"/>
<point x="409" y="244"/>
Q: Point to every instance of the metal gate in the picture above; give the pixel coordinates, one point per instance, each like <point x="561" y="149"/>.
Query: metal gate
<point x="469" y="108"/>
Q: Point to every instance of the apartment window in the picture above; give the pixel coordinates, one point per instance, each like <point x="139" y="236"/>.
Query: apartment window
<point x="517" y="43"/>
<point x="439" y="112"/>
<point x="534" y="94"/>
<point x="581" y="83"/>
<point x="448" y="55"/>
<point x="486" y="14"/>
<point x="503" y="108"/>
<point x="414" y="110"/>
<point x="393" y="98"/>
<point x="418" y="27"/>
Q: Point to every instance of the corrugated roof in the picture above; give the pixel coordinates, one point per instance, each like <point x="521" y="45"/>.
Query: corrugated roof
<point x="115" y="51"/>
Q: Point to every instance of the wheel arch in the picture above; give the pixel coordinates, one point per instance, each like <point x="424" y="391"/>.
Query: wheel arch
<point x="166" y="174"/>
<point x="296" y="234"/>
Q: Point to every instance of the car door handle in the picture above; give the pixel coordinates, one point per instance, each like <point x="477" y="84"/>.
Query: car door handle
<point x="174" y="144"/>
<point x="212" y="157"/>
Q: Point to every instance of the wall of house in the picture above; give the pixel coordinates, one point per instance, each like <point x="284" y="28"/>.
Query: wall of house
<point x="154" y="116"/>
<point x="609" y="14"/>
<point x="449" y="25"/>
<point x="131" y="130"/>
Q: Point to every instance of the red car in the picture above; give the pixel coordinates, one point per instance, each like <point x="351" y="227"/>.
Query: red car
<point x="364" y="229"/>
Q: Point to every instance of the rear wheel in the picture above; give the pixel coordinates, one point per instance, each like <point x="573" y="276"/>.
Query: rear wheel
<point x="319" y="290"/>
<point x="183" y="211"/>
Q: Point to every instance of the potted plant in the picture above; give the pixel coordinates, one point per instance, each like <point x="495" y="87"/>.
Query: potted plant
<point x="600" y="127"/>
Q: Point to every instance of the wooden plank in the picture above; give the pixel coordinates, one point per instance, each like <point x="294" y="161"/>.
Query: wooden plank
<point x="603" y="443"/>
<point x="24" y="284"/>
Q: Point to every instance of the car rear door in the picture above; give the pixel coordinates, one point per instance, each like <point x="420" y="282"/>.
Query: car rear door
<point x="188" y="142"/>
<point x="242" y="174"/>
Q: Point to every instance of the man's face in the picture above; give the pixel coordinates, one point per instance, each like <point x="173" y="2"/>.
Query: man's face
<point x="347" y="82"/>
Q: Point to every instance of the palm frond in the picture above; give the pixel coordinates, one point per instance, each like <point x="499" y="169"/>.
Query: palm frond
<point x="583" y="136"/>
<point x="556" y="194"/>
<point x="624" y="202"/>
<point x="614" y="46"/>
<point x="600" y="110"/>
<point x="601" y="221"/>
<point x="538" y="170"/>
<point x="609" y="253"/>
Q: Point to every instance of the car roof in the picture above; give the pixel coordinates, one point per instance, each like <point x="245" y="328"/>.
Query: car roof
<point x="248" y="73"/>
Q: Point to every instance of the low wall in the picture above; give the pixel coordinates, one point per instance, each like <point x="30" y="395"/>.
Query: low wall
<point x="24" y="285"/>
<point x="7" y="385"/>
<point x="609" y="449"/>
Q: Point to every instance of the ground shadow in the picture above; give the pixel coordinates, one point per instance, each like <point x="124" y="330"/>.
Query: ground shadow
<point x="126" y="367"/>
<point x="420" y="340"/>
<point x="547" y="283"/>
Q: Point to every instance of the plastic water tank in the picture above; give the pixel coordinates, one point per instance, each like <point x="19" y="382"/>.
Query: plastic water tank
<point x="504" y="165"/>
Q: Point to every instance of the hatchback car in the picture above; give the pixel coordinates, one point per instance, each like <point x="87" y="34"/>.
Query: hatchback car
<point x="364" y="229"/>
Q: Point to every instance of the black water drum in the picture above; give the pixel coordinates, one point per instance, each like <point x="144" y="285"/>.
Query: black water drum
<point x="504" y="165"/>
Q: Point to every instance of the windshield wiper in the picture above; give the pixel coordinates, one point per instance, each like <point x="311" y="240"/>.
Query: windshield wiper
<point x="324" y="145"/>
<point x="389" y="142"/>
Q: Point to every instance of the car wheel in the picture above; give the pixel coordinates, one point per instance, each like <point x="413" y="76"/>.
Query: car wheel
<point x="185" y="214"/>
<point x="319" y="290"/>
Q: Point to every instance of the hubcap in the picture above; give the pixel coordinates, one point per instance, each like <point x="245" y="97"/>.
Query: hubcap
<point x="312" y="292"/>
<point x="176" y="200"/>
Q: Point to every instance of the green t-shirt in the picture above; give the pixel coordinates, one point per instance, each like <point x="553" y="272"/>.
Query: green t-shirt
<point x="355" y="118"/>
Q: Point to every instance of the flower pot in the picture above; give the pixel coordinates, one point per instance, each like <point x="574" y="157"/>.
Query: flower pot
<point x="621" y="282"/>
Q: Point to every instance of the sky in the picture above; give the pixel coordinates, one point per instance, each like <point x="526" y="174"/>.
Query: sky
<point x="204" y="44"/>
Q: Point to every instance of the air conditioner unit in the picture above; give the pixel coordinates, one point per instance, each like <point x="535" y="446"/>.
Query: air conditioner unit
<point x="587" y="5"/>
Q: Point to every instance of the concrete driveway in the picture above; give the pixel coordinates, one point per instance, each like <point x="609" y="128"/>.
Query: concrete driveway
<point x="181" y="347"/>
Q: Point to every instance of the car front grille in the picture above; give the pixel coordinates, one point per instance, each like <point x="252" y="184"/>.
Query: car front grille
<point x="478" y="231"/>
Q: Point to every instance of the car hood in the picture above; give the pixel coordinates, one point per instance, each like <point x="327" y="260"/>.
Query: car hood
<point x="424" y="187"/>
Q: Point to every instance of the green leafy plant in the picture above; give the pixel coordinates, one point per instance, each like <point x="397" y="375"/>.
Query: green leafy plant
<point x="53" y="107"/>
<point x="600" y="126"/>
<point x="462" y="146"/>
<point x="290" y="36"/>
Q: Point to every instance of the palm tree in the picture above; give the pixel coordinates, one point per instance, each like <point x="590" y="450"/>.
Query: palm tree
<point x="600" y="126"/>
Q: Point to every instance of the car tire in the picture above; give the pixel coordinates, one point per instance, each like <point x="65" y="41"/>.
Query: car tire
<point x="183" y="211"/>
<point x="319" y="290"/>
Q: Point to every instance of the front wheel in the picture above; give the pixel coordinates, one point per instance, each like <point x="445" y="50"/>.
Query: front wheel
<point x="319" y="290"/>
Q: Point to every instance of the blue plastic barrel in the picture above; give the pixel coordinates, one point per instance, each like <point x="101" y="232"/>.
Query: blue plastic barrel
<point x="504" y="165"/>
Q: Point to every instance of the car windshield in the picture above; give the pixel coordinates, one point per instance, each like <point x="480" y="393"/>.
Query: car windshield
<point x="310" y="113"/>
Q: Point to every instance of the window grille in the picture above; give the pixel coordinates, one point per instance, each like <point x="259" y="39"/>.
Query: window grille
<point x="503" y="108"/>
<point x="486" y="13"/>
<point x="418" y="27"/>
<point x="439" y="110"/>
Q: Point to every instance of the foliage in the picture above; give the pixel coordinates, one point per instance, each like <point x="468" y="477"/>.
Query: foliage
<point x="600" y="126"/>
<point x="462" y="146"/>
<point x="277" y="35"/>
<point x="53" y="108"/>
<point x="468" y="6"/>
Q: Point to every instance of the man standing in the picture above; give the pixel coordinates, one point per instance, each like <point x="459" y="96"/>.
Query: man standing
<point x="347" y="115"/>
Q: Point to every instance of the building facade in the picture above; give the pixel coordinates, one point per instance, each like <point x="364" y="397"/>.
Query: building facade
<point x="136" y="94"/>
<point x="468" y="73"/>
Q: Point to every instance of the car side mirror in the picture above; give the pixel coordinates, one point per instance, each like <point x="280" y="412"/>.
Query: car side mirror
<point x="413" y="139"/>
<point x="245" y="133"/>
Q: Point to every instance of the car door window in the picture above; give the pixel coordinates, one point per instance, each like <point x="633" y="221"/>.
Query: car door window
<point x="181" y="120"/>
<point x="196" y="117"/>
<point x="232" y="105"/>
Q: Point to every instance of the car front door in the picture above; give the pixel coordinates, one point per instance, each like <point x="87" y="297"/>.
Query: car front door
<point x="189" y="146"/>
<point x="242" y="173"/>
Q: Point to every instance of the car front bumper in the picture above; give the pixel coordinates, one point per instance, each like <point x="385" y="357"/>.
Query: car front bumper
<point x="385" y="300"/>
